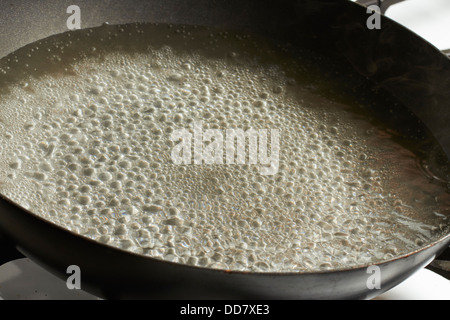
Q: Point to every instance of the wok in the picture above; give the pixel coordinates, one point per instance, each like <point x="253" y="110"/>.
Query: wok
<point x="391" y="61"/>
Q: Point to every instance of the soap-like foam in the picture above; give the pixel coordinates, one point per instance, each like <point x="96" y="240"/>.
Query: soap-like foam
<point x="90" y="150"/>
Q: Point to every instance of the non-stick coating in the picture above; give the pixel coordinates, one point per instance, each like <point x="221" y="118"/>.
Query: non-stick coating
<point x="406" y="67"/>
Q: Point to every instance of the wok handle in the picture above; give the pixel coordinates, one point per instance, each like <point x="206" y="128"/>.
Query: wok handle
<point x="8" y="250"/>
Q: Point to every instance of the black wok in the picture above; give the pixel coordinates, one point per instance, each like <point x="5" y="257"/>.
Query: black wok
<point x="391" y="61"/>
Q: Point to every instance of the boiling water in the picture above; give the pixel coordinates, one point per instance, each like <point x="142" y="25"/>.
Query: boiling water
<point x="85" y="130"/>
